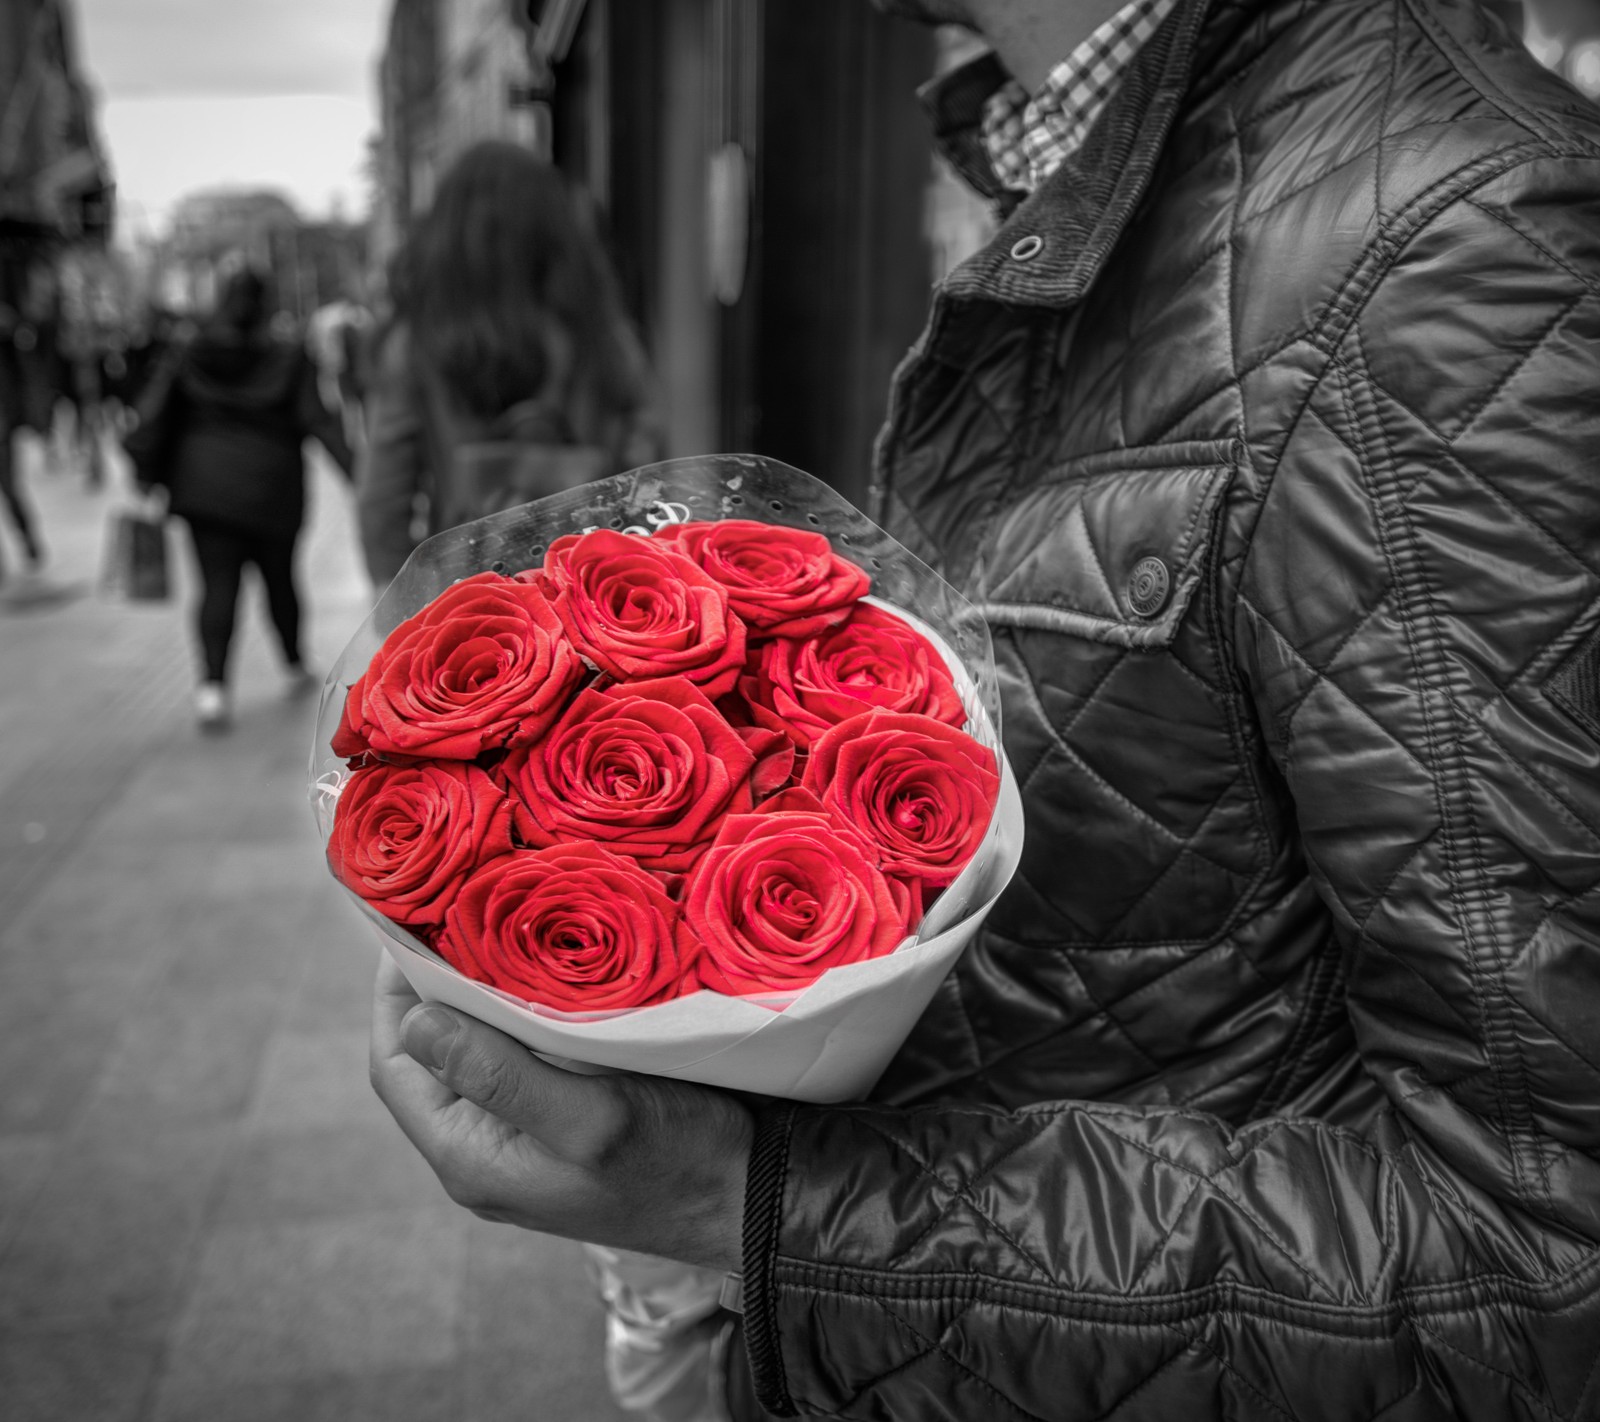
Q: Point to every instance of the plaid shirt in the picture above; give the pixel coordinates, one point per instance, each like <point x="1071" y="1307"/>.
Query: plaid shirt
<point x="1027" y="138"/>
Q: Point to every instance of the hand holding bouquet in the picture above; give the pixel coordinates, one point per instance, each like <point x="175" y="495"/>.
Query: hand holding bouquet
<point x="647" y="782"/>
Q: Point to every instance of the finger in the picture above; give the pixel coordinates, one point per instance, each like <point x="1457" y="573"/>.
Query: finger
<point x="413" y="1095"/>
<point x="569" y="1114"/>
<point x="392" y="998"/>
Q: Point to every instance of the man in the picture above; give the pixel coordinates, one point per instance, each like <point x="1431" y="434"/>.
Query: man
<point x="1267" y="434"/>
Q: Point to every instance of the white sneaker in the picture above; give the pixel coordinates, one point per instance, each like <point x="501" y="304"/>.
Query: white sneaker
<point x="211" y="706"/>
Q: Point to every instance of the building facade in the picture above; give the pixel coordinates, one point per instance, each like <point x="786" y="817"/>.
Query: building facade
<point x="760" y="169"/>
<point x="55" y="182"/>
<point x="55" y="202"/>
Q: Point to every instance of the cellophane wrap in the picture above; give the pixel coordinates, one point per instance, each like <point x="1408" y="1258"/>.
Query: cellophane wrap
<point x="831" y="1041"/>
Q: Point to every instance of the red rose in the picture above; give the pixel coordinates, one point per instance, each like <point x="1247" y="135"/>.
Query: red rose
<point x="484" y="665"/>
<point x="640" y="610"/>
<point x="572" y="927"/>
<point x="780" y="898"/>
<point x="872" y="660"/>
<point x="784" y="582"/>
<point x="405" y="837"/>
<point x="767" y="740"/>
<point x="647" y="768"/>
<point x="919" y="792"/>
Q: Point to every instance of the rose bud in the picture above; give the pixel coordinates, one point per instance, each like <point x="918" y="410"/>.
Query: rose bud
<point x="571" y="927"/>
<point x="784" y="582"/>
<point x="406" y="837"/>
<point x="780" y="898"/>
<point x="639" y="610"/>
<point x="647" y="769"/>
<point x="918" y="792"/>
<point x="872" y="660"/>
<point x="483" y="666"/>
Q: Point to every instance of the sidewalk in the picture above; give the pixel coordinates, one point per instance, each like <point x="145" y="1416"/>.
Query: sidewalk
<point x="205" y="1213"/>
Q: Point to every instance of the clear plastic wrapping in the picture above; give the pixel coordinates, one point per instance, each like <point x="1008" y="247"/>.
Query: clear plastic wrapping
<point x="832" y="1040"/>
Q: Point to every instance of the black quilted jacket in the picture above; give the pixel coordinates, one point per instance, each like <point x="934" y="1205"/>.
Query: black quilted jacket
<point x="1267" y="433"/>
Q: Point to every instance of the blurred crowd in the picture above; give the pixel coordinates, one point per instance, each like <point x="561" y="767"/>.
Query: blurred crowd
<point x="496" y="366"/>
<point x="71" y="381"/>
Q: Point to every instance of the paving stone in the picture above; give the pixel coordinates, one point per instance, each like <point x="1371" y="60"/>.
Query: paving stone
<point x="104" y="933"/>
<point x="280" y="1301"/>
<point x="254" y="939"/>
<point x="234" y="950"/>
<point x="517" y="1387"/>
<point x="523" y="1285"/>
<point x="108" y="907"/>
<point x="312" y="1172"/>
<point x="184" y="1058"/>
<point x="205" y="1213"/>
<point x="289" y="861"/>
<point x="52" y="1052"/>
<point x="59" y="797"/>
<point x="212" y="791"/>
<point x="401" y="1395"/>
<point x="112" y="1227"/>
<point x="533" y="1325"/>
<point x="314" y="1079"/>
<point x="77" y="1375"/>
<point x="335" y="985"/>
<point x="24" y="1159"/>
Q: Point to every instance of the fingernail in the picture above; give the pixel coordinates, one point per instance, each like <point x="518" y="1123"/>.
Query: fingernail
<point x="427" y="1033"/>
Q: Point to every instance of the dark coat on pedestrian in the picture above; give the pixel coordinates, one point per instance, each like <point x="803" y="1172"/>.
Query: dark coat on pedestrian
<point x="1266" y="435"/>
<point x="231" y="430"/>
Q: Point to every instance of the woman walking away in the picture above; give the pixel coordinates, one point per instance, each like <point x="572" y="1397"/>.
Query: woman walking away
<point x="223" y="428"/>
<point x="509" y="370"/>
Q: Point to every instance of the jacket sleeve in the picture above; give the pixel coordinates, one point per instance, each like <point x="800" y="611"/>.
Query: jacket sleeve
<point x="1418" y="627"/>
<point x="391" y="469"/>
<point x="159" y="416"/>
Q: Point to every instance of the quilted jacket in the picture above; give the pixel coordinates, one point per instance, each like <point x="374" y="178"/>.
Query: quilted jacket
<point x="1267" y="435"/>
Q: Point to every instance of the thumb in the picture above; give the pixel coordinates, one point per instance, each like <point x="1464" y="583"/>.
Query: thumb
<point x="497" y="1073"/>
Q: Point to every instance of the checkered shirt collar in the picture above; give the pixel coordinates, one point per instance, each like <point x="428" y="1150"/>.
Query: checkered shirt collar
<point x="1027" y="138"/>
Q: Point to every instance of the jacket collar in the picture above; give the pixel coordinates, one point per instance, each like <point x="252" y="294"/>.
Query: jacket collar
<point x="1052" y="244"/>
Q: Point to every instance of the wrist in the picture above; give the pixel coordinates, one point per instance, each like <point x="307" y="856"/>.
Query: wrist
<point x="724" y="1234"/>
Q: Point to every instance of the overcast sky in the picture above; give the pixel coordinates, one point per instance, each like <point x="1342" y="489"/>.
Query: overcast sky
<point x="201" y="93"/>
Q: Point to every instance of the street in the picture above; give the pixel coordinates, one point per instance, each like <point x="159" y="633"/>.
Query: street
<point x="205" y="1213"/>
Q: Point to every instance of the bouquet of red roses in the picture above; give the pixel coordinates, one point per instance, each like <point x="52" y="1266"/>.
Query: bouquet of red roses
<point x="650" y="774"/>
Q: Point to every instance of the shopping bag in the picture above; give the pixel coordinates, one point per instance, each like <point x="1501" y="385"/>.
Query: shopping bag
<point x="136" y="560"/>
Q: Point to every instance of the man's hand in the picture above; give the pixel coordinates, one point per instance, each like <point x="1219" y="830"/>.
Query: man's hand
<point x="631" y="1161"/>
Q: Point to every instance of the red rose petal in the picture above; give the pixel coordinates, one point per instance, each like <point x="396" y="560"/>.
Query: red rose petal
<point x="781" y="897"/>
<point x="405" y="838"/>
<point x="484" y="666"/>
<point x="920" y="793"/>
<point x="571" y="927"/>
<point x="649" y="769"/>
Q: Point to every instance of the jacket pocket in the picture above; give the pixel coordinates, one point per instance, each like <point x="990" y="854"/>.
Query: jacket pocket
<point x="1109" y="546"/>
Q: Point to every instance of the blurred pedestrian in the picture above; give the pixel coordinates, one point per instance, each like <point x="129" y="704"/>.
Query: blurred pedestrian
<point x="82" y="357"/>
<point x="334" y="335"/>
<point x="17" y="338"/>
<point x="222" y="427"/>
<point x="47" y="378"/>
<point x="351" y="372"/>
<point x="509" y="370"/>
<point x="135" y="355"/>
